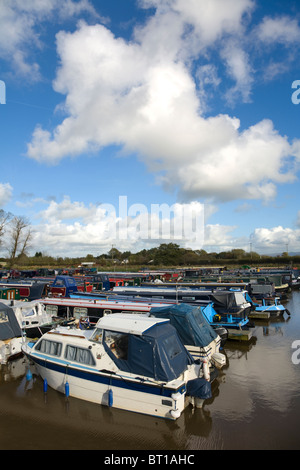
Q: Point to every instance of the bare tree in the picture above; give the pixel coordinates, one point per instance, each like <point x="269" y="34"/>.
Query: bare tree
<point x="5" y="217"/>
<point x="20" y="236"/>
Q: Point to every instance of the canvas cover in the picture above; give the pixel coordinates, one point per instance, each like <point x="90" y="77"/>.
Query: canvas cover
<point x="9" y="326"/>
<point x="199" y="388"/>
<point x="224" y="301"/>
<point x="158" y="354"/>
<point x="191" y="325"/>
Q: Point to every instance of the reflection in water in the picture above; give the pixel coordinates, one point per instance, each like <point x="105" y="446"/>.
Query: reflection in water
<point x="257" y="389"/>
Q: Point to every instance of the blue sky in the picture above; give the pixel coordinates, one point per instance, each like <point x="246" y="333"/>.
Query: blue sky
<point x="185" y="105"/>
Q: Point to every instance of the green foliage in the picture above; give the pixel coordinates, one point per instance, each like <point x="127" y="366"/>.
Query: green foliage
<point x="165" y="255"/>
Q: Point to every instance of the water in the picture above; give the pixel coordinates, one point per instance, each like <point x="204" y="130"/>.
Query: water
<point x="255" y="405"/>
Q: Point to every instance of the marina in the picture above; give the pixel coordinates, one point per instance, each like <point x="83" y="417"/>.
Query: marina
<point x="149" y="228"/>
<point x="255" y="404"/>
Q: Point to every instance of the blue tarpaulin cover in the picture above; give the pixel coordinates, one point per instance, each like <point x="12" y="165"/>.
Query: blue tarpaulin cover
<point x="9" y="326"/>
<point x="158" y="353"/>
<point x="199" y="388"/>
<point x="191" y="325"/>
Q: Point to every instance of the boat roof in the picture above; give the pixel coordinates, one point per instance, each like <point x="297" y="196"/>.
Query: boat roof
<point x="94" y="303"/>
<point x="179" y="290"/>
<point x="66" y="331"/>
<point x="133" y="324"/>
<point x="20" y="303"/>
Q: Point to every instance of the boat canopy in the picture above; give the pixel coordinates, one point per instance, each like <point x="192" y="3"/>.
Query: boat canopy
<point x="190" y="323"/>
<point x="154" y="350"/>
<point x="224" y="301"/>
<point x="129" y="323"/>
<point x="9" y="326"/>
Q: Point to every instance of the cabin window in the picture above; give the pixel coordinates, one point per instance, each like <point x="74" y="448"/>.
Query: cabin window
<point x="49" y="347"/>
<point x="80" y="355"/>
<point x="188" y="298"/>
<point x="80" y="312"/>
<point x="52" y="309"/>
<point x="97" y="335"/>
<point x="172" y="346"/>
<point x="31" y="312"/>
<point x="117" y="343"/>
<point x="3" y="317"/>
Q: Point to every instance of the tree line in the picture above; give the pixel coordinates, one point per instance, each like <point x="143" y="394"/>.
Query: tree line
<point x="165" y="256"/>
<point x="171" y="254"/>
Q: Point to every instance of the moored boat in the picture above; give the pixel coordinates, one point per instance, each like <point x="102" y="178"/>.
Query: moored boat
<point x="128" y="362"/>
<point x="92" y="308"/>
<point x="10" y="334"/>
<point x="27" y="289"/>
<point x="225" y="302"/>
<point x="270" y="306"/>
<point x="200" y="339"/>
<point x="228" y="310"/>
<point x="32" y="317"/>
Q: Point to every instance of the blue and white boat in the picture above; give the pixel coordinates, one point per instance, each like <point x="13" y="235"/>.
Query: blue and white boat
<point x="134" y="363"/>
<point x="198" y="336"/>
<point x="271" y="306"/>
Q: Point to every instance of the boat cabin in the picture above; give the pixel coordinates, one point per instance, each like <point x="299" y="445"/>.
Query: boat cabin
<point x="144" y="346"/>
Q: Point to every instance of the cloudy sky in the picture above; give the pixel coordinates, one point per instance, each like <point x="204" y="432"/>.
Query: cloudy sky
<point x="137" y="122"/>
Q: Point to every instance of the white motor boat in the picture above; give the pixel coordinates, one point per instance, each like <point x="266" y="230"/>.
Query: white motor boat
<point x="134" y="363"/>
<point x="32" y="317"/>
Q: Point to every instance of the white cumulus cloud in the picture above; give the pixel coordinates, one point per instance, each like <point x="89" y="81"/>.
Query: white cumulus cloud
<point x="282" y="29"/>
<point x="276" y="239"/>
<point x="6" y="191"/>
<point x="19" y="32"/>
<point x="142" y="95"/>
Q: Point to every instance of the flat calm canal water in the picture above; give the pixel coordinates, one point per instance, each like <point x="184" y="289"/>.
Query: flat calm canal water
<point x="255" y="405"/>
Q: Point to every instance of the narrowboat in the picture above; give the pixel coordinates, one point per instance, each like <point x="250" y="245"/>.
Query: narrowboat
<point x="27" y="290"/>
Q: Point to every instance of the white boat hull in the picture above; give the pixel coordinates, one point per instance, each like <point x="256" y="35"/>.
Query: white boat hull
<point x="10" y="349"/>
<point x="132" y="363"/>
<point x="116" y="396"/>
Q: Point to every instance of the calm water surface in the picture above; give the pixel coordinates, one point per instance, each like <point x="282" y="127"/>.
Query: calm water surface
<point x="255" y="405"/>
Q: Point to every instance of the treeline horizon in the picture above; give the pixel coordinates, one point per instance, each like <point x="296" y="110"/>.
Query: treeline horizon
<point x="165" y="255"/>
